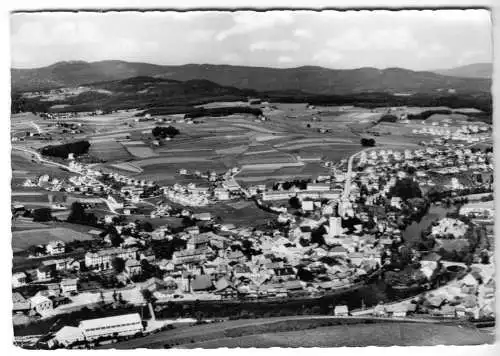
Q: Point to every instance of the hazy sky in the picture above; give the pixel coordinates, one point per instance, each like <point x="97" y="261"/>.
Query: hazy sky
<point x="411" y="39"/>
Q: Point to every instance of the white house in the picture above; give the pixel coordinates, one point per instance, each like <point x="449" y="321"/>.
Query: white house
<point x="44" y="273"/>
<point x="307" y="205"/>
<point x="40" y="304"/>
<point x="55" y="247"/>
<point x="69" y="285"/>
<point x="341" y="310"/>
<point x="18" y="279"/>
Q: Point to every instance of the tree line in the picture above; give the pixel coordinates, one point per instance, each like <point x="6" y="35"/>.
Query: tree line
<point x="62" y="151"/>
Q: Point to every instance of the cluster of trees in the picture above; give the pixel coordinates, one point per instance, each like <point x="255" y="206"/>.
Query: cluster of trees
<point x="368" y="142"/>
<point x="166" y="248"/>
<point x="118" y="264"/>
<point x="42" y="215"/>
<point x="215" y="112"/>
<point x="438" y="193"/>
<point x="405" y="277"/>
<point x="317" y="235"/>
<point x="295" y="203"/>
<point x="164" y="132"/>
<point x="62" y="151"/>
<point x="428" y="113"/>
<point x="78" y="215"/>
<point x="298" y="183"/>
<point x="406" y="188"/>
<point x="388" y="118"/>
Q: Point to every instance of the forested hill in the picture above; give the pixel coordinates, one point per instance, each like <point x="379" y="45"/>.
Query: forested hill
<point x="311" y="79"/>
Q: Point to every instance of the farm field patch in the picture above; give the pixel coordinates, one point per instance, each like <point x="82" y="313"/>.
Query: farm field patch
<point x="256" y="128"/>
<point x="127" y="166"/>
<point x="140" y="151"/>
<point x="109" y="151"/>
<point x="167" y="160"/>
<point x="232" y="150"/>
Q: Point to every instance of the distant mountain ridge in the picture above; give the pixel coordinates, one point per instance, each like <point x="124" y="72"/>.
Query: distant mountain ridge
<point x="475" y="70"/>
<point x="311" y="79"/>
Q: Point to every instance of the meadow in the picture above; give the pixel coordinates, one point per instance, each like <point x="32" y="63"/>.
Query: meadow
<point x="21" y="240"/>
<point x="356" y="335"/>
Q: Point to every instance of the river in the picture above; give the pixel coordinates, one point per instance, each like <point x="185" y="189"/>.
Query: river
<point x="413" y="231"/>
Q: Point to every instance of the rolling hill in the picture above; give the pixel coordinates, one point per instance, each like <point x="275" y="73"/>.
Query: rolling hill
<point x="137" y="92"/>
<point x="310" y="79"/>
<point x="475" y="70"/>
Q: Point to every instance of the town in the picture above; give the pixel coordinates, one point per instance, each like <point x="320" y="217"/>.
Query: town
<point x="334" y="234"/>
<point x="231" y="179"/>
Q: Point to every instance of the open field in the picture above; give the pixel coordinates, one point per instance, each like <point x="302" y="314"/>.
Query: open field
<point x="320" y="331"/>
<point x="360" y="335"/>
<point x="247" y="214"/>
<point x="167" y="160"/>
<point x="21" y="240"/>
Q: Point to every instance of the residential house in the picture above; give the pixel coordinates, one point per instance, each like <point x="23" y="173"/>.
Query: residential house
<point x="40" y="304"/>
<point x="397" y="310"/>
<point x="55" y="247"/>
<point x="338" y="251"/>
<point x="191" y="256"/>
<point x="19" y="279"/>
<point x="469" y="284"/>
<point x="237" y="256"/>
<point x="147" y="255"/>
<point x="379" y="310"/>
<point x="198" y="241"/>
<point x="460" y="311"/>
<point x="274" y="290"/>
<point x="20" y="304"/>
<point x="133" y="267"/>
<point x="101" y="260"/>
<point x="448" y="311"/>
<point x="356" y="258"/>
<point x="225" y="289"/>
<point x="284" y="273"/>
<point x="294" y="288"/>
<point x="45" y="273"/>
<point x="202" y="216"/>
<point x="57" y="265"/>
<point x="192" y="230"/>
<point x="53" y="290"/>
<point x="341" y="310"/>
<point x="221" y="194"/>
<point x="69" y="286"/>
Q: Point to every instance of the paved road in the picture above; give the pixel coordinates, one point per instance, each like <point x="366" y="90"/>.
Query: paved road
<point x="43" y="160"/>
<point x="36" y="127"/>
<point x="347" y="184"/>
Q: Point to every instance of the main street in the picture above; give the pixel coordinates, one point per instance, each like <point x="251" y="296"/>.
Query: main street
<point x="347" y="184"/>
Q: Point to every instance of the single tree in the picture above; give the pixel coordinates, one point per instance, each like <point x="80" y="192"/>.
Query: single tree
<point x="118" y="264"/>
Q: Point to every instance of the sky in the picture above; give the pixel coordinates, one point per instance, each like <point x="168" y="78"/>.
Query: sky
<point x="412" y="39"/>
